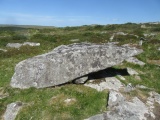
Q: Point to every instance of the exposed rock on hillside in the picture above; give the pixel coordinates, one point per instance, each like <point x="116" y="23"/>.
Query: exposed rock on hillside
<point x="3" y="50"/>
<point x="68" y="62"/>
<point x="18" y="45"/>
<point x="122" y="109"/>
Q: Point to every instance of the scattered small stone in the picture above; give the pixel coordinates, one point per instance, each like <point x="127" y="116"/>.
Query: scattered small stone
<point x="12" y="110"/>
<point x="112" y="37"/>
<point x="69" y="100"/>
<point x="74" y="40"/>
<point x="137" y="77"/>
<point x="31" y="44"/>
<point x="103" y="32"/>
<point x="140" y="43"/>
<point x="159" y="48"/>
<point x="112" y="43"/>
<point x="121" y="77"/>
<point x="3" y="50"/>
<point x="155" y="96"/>
<point x="129" y="88"/>
<point x="115" y="98"/>
<point x="18" y="45"/>
<point x="14" y="45"/>
<point x="141" y="86"/>
<point x="121" y="33"/>
<point x="135" y="61"/>
<point x="131" y="71"/>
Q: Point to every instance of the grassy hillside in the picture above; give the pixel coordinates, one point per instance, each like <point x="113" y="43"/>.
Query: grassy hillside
<point x="48" y="103"/>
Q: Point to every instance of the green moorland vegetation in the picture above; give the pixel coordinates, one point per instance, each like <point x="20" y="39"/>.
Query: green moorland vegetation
<point x="48" y="103"/>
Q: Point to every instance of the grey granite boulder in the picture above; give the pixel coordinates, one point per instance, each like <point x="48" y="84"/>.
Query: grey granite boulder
<point x="120" y="108"/>
<point x="68" y="62"/>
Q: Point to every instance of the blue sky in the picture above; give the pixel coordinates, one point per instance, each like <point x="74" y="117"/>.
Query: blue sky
<point x="78" y="12"/>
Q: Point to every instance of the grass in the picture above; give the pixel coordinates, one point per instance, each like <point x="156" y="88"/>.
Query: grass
<point x="49" y="103"/>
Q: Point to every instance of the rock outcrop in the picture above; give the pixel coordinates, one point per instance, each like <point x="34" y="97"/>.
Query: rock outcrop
<point x="119" y="108"/>
<point x="68" y="62"/>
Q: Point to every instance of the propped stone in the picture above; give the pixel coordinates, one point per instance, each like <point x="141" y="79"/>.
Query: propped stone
<point x="81" y="80"/>
<point x="68" y="62"/>
<point x="135" y="61"/>
<point x="12" y="110"/>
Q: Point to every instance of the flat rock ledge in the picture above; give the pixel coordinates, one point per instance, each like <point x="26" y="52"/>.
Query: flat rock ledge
<point x="68" y="62"/>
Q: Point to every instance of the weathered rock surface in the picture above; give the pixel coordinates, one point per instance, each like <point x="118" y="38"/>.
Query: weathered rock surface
<point x="127" y="110"/>
<point x="66" y="63"/>
<point x="18" y="45"/>
<point x="135" y="61"/>
<point x="110" y="83"/>
<point x="129" y="88"/>
<point x="122" y="109"/>
<point x="12" y="110"/>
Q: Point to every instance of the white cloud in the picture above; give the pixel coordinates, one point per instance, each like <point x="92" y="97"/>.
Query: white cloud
<point x="30" y="19"/>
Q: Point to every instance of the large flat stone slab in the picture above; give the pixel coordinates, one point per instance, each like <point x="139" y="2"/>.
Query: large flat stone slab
<point x="68" y="62"/>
